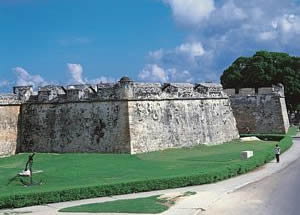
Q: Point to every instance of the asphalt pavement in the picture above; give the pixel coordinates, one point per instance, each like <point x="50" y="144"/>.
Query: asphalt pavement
<point x="278" y="194"/>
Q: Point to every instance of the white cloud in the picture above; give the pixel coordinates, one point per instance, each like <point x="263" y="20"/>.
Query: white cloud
<point x="199" y="12"/>
<point x="24" y="78"/>
<point x="230" y="11"/>
<point x="191" y="11"/>
<point x="287" y="23"/>
<point x="155" y="73"/>
<point x="179" y="76"/>
<point x="191" y="49"/>
<point x="76" y="71"/>
<point x="267" y="35"/>
<point x="285" y="29"/>
<point x="184" y="53"/>
<point x="226" y="30"/>
<point x="177" y="64"/>
<point x="158" y="54"/>
<point x="102" y="79"/>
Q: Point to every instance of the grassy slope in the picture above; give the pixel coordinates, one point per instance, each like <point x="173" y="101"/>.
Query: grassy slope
<point x="149" y="205"/>
<point x="172" y="167"/>
<point x="76" y="170"/>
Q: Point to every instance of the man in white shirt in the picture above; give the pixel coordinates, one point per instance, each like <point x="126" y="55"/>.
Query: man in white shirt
<point x="277" y="152"/>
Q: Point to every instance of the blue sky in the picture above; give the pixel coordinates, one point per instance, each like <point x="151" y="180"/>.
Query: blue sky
<point x="88" y="41"/>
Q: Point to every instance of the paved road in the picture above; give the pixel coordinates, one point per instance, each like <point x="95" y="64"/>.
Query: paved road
<point x="278" y="194"/>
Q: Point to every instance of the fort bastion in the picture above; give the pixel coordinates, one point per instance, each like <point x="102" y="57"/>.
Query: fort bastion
<point x="123" y="117"/>
<point x="131" y="117"/>
<point x="261" y="110"/>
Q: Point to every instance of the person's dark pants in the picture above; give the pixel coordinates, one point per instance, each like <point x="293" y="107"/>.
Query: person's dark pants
<point x="277" y="158"/>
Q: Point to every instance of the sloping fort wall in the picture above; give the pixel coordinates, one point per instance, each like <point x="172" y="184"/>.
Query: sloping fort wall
<point x="9" y="116"/>
<point x="261" y="110"/>
<point x="156" y="125"/>
<point x="125" y="117"/>
<point x="75" y="127"/>
<point x="129" y="117"/>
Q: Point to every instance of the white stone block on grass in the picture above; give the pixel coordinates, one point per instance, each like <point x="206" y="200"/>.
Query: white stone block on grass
<point x="248" y="139"/>
<point x="246" y="155"/>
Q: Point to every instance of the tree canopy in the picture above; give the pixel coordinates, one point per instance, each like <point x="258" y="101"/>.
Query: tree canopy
<point x="265" y="69"/>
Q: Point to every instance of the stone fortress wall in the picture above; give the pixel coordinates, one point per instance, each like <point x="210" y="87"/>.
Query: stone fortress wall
<point x="124" y="117"/>
<point x="261" y="110"/>
<point x="9" y="116"/>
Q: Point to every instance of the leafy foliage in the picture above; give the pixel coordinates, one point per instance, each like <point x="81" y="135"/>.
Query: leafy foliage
<point x="265" y="69"/>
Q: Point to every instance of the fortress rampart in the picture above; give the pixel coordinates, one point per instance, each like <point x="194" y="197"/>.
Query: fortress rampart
<point x="261" y="110"/>
<point x="124" y="117"/>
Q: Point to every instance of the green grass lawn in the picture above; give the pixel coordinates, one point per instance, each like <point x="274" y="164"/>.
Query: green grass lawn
<point x="76" y="170"/>
<point x="77" y="176"/>
<point x="149" y="205"/>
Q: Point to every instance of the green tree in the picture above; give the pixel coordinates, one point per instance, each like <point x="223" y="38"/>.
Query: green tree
<point x="263" y="70"/>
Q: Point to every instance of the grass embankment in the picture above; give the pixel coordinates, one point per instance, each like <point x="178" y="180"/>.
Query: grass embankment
<point x="80" y="176"/>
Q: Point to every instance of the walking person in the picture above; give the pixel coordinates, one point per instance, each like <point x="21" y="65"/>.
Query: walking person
<point x="277" y="152"/>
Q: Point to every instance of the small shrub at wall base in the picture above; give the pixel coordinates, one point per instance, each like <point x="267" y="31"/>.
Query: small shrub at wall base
<point x="210" y="176"/>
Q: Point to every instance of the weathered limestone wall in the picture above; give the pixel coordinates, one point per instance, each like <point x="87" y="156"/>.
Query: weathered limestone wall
<point x="9" y="116"/>
<point x="125" y="117"/>
<point x="285" y="116"/>
<point x="75" y="127"/>
<point x="262" y="111"/>
<point x="158" y="125"/>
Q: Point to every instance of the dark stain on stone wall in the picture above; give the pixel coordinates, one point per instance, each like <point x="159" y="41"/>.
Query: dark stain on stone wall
<point x="79" y="127"/>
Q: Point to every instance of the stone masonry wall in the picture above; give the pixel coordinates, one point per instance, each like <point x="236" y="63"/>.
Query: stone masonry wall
<point x="158" y="125"/>
<point x="75" y="127"/>
<point x="124" y="117"/>
<point x="9" y="116"/>
<point x="261" y="111"/>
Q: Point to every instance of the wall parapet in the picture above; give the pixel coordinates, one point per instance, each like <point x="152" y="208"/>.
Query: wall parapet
<point x="277" y="90"/>
<point x="125" y="89"/>
<point x="9" y="99"/>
